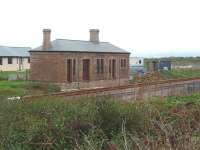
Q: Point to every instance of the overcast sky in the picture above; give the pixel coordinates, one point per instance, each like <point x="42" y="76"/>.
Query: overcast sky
<point x="143" y="27"/>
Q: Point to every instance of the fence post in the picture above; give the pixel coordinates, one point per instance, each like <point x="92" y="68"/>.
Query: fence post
<point x="26" y="74"/>
<point x="17" y="75"/>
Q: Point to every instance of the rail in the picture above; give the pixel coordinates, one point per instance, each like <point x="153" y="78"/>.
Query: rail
<point x="106" y="89"/>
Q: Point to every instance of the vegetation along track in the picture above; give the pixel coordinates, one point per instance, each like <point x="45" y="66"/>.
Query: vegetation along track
<point x="83" y="92"/>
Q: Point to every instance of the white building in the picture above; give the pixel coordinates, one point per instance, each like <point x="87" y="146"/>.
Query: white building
<point x="136" y="65"/>
<point x="14" y="58"/>
<point x="136" y="61"/>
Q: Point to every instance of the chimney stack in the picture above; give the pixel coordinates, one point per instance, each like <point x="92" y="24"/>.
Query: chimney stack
<point x="46" y="38"/>
<point x="94" y="36"/>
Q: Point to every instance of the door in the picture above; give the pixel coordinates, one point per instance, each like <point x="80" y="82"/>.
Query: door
<point x="69" y="70"/>
<point x="113" y="68"/>
<point x="86" y="69"/>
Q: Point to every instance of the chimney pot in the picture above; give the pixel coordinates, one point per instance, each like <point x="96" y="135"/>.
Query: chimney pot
<point x="94" y="35"/>
<point x="46" y="38"/>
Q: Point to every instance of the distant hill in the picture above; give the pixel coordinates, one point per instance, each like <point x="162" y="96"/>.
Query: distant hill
<point x="170" y="53"/>
<point x="175" y="59"/>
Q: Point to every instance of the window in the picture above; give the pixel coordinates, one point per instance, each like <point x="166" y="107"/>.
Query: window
<point x="1" y="61"/>
<point x="9" y="60"/>
<point x="28" y="59"/>
<point x="140" y="61"/>
<point x="100" y="66"/>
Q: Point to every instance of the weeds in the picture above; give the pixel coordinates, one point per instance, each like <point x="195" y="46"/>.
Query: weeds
<point x="90" y="123"/>
<point x="21" y="88"/>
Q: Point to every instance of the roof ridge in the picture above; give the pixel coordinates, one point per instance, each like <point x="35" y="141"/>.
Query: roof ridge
<point x="81" y="46"/>
<point x="78" y="40"/>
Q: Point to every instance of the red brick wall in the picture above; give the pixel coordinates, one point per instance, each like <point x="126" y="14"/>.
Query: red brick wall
<point x="47" y="67"/>
<point x="52" y="66"/>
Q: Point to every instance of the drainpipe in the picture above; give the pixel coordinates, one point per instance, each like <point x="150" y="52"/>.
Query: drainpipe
<point x="119" y="69"/>
<point x="78" y="70"/>
<point x="18" y="63"/>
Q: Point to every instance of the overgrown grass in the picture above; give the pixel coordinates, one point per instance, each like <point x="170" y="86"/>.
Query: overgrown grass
<point x="12" y="88"/>
<point x="101" y="122"/>
<point x="21" y="88"/>
<point x="180" y="73"/>
<point x="166" y="75"/>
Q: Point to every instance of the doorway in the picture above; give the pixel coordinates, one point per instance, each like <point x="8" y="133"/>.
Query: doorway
<point x="86" y="69"/>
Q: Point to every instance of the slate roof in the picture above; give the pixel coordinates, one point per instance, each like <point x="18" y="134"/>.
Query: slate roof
<point x="14" y="51"/>
<point x="81" y="46"/>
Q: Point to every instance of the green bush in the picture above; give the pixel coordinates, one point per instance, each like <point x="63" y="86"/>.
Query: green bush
<point x="109" y="117"/>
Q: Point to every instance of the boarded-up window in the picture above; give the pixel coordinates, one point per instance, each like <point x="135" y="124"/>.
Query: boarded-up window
<point x="123" y="63"/>
<point x="69" y="70"/>
<point x="110" y="64"/>
<point x="86" y="69"/>
<point x="100" y="66"/>
<point x="1" y="61"/>
<point x="9" y="60"/>
<point x="74" y="66"/>
<point x="113" y="68"/>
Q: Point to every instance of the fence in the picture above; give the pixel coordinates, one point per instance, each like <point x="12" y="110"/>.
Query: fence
<point x="14" y="75"/>
<point x="163" y="90"/>
<point x="136" y="91"/>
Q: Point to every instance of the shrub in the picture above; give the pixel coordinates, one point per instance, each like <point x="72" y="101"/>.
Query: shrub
<point x="108" y="117"/>
<point x="53" y="88"/>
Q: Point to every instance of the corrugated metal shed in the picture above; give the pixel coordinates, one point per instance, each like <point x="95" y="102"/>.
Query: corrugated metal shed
<point x="157" y="65"/>
<point x="82" y="46"/>
<point x="14" y="51"/>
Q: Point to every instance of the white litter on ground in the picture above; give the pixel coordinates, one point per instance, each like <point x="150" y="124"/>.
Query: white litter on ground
<point x="16" y="98"/>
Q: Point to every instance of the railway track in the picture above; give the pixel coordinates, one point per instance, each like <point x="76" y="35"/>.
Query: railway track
<point x="82" y="92"/>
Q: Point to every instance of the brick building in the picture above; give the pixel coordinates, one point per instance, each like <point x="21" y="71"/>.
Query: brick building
<point x="79" y="64"/>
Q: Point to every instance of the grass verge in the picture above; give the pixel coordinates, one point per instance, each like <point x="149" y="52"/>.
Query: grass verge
<point x="21" y="88"/>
